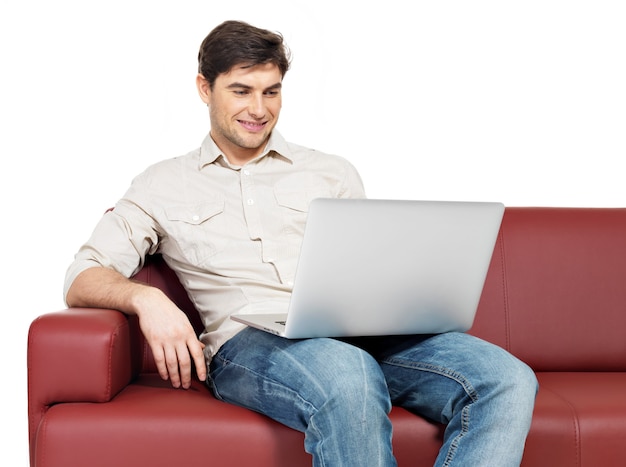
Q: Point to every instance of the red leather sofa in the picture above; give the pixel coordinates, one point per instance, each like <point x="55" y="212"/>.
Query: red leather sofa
<point x="555" y="296"/>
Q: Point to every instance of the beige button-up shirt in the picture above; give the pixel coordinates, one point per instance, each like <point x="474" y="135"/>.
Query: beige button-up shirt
<point x="232" y="234"/>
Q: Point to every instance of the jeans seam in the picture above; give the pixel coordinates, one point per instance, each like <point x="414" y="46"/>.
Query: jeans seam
<point x="454" y="445"/>
<point x="455" y="376"/>
<point x="443" y="371"/>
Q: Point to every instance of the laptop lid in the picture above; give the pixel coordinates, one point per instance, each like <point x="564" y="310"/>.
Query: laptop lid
<point x="386" y="267"/>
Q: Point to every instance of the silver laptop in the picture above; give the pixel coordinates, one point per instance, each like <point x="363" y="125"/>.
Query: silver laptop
<point x="386" y="267"/>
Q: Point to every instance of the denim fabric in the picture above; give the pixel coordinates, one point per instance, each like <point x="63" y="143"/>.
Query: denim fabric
<point x="339" y="393"/>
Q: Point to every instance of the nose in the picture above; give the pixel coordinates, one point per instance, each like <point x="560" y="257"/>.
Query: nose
<point x="256" y="106"/>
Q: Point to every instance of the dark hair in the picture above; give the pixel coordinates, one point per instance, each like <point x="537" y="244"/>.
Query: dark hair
<point x="235" y="43"/>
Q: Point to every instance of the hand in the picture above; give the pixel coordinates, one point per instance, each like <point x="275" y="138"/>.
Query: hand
<point x="167" y="329"/>
<point x="171" y="338"/>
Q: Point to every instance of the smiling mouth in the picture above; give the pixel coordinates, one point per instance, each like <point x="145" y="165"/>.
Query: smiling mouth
<point x="252" y="126"/>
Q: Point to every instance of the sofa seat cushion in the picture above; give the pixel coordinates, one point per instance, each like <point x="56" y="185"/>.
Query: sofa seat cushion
<point x="579" y="419"/>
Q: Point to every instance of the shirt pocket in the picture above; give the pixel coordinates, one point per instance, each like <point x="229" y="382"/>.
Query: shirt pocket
<point x="293" y="200"/>
<point x="199" y="230"/>
<point x="294" y="206"/>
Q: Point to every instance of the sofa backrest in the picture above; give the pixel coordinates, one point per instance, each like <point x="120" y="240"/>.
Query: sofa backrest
<point x="555" y="293"/>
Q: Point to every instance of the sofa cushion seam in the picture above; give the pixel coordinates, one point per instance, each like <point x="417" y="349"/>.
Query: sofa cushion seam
<point x="505" y="293"/>
<point x="575" y="423"/>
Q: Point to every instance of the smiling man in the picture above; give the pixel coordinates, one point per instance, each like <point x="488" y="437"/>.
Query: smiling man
<point x="229" y="218"/>
<point x="244" y="104"/>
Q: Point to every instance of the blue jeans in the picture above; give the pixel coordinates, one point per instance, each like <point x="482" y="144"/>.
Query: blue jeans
<point x="339" y="393"/>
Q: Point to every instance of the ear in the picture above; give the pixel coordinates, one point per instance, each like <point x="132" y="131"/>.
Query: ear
<point x="204" y="90"/>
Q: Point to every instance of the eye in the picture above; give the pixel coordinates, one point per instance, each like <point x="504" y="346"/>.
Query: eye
<point x="240" y="92"/>
<point x="272" y="93"/>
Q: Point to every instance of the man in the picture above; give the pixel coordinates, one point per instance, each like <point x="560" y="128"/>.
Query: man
<point x="229" y="218"/>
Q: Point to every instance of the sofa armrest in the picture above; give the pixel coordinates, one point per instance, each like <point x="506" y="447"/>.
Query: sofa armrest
<point x="78" y="355"/>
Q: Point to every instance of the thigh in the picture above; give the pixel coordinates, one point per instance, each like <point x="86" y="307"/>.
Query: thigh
<point x="432" y="374"/>
<point x="285" y="379"/>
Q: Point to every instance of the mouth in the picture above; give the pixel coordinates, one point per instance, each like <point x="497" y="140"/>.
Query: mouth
<point x="252" y="126"/>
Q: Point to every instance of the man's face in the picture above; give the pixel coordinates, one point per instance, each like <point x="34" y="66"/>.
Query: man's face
<point x="244" y="105"/>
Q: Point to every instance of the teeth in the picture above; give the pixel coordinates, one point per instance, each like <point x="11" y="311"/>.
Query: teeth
<point x="252" y="124"/>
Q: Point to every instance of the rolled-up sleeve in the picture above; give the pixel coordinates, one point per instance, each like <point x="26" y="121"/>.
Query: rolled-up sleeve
<point x="121" y="240"/>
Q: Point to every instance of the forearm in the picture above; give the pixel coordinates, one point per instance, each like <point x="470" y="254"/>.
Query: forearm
<point x="100" y="287"/>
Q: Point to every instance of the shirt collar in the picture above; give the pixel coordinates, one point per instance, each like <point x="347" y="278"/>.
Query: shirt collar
<point x="276" y="144"/>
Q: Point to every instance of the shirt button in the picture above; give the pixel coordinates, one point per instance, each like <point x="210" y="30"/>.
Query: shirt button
<point x="195" y="218"/>
<point x="246" y="172"/>
<point x="250" y="202"/>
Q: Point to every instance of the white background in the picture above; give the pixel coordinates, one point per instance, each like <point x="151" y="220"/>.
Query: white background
<point x="522" y="102"/>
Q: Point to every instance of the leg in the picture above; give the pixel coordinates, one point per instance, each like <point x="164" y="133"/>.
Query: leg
<point x="484" y="394"/>
<point x="332" y="391"/>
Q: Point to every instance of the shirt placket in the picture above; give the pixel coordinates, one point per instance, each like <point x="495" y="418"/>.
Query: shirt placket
<point x="252" y="205"/>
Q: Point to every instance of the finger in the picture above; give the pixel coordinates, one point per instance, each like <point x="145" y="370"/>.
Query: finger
<point x="171" y="362"/>
<point x="196" y="350"/>
<point x="184" y="366"/>
<point x="159" y="360"/>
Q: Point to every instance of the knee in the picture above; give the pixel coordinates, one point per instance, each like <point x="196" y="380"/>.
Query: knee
<point x="488" y="367"/>
<point x="523" y="380"/>
<point x="514" y="381"/>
